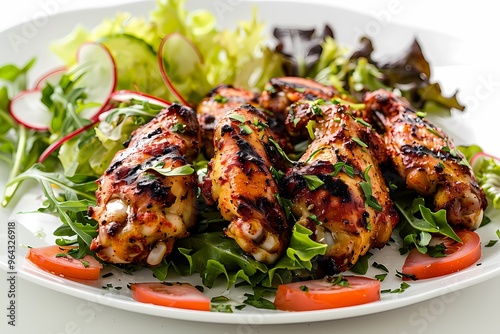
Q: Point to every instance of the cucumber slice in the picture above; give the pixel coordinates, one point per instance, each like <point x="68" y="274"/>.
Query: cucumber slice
<point x="97" y="69"/>
<point x="137" y="65"/>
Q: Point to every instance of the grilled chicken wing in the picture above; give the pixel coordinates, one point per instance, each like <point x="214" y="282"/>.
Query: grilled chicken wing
<point x="280" y="93"/>
<point x="213" y="107"/>
<point x="428" y="160"/>
<point x="337" y="189"/>
<point x="239" y="180"/>
<point x="141" y="211"/>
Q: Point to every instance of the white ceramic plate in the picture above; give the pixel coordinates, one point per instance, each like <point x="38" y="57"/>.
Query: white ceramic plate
<point x="449" y="60"/>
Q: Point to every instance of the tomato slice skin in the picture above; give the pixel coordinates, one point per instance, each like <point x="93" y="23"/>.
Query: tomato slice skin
<point x="322" y="294"/>
<point x="460" y="256"/>
<point x="49" y="258"/>
<point x="178" y="295"/>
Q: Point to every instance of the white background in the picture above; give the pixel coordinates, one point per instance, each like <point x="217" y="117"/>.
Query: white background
<point x="473" y="309"/>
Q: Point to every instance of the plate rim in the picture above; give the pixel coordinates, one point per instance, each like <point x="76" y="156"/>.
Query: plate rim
<point x="236" y="318"/>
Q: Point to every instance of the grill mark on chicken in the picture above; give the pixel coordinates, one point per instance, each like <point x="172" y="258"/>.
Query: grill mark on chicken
<point x="215" y="105"/>
<point x="280" y="93"/>
<point x="248" y="156"/>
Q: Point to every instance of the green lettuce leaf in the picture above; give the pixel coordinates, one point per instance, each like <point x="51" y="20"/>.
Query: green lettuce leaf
<point x="214" y="256"/>
<point x="487" y="171"/>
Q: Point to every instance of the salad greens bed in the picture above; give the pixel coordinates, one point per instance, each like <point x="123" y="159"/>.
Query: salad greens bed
<point x="242" y="57"/>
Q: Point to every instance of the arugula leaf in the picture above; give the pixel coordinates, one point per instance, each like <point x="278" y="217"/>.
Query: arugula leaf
<point x="69" y="199"/>
<point x="213" y="255"/>
<point x="366" y="186"/>
<point x="419" y="222"/>
<point x="19" y="147"/>
<point x="258" y="302"/>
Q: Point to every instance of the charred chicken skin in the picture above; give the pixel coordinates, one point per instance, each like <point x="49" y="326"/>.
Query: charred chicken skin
<point x="240" y="181"/>
<point x="427" y="159"/>
<point x="214" y="106"/>
<point x="141" y="209"/>
<point x="337" y="189"/>
<point x="280" y="93"/>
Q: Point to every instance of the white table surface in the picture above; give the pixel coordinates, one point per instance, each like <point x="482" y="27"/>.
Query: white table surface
<point x="473" y="309"/>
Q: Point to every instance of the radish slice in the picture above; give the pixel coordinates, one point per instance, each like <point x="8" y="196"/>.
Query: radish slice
<point x="28" y="110"/>
<point x="175" y="41"/>
<point x="52" y="77"/>
<point x="55" y="145"/>
<point x="477" y="158"/>
<point x="128" y="95"/>
<point x="99" y="76"/>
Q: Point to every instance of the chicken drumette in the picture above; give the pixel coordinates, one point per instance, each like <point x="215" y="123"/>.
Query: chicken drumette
<point x="337" y="189"/>
<point x="146" y="199"/>
<point x="426" y="158"/>
<point x="240" y="181"/>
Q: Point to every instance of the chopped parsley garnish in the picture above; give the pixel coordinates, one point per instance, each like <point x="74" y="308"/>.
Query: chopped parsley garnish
<point x="245" y="129"/>
<point x="220" y="99"/>
<point x="239" y="118"/>
<point x="258" y="302"/>
<point x="421" y="114"/>
<point x="359" y="142"/>
<point x="436" y="251"/>
<point x="277" y="174"/>
<point x="435" y="132"/>
<point x="286" y="204"/>
<point x="366" y="186"/>
<point x="491" y="243"/>
<point x="316" y="152"/>
<point x="178" y="128"/>
<point x="315" y="219"/>
<point x="313" y="182"/>
<point x="363" y="122"/>
<point x="338" y="166"/>
<point x="280" y="151"/>
<point x="340" y="281"/>
<point x="380" y="266"/>
<point x="401" y="288"/>
<point x="259" y="124"/>
<point x="310" y="128"/>
<point x="271" y="89"/>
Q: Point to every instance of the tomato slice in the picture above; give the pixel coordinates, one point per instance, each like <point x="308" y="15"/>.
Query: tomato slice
<point x="179" y="295"/>
<point x="323" y="294"/>
<point x="55" y="259"/>
<point x="459" y="256"/>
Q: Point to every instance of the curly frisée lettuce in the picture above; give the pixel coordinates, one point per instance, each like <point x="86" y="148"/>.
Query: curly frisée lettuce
<point x="240" y="56"/>
<point x="486" y="167"/>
